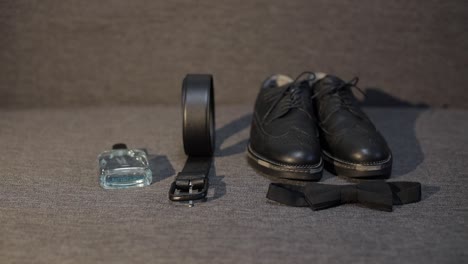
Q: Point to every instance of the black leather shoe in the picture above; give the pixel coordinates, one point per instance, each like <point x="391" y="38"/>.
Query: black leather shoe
<point x="284" y="139"/>
<point x="351" y="145"/>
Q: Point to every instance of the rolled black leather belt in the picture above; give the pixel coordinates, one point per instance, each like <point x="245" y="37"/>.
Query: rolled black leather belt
<point x="199" y="138"/>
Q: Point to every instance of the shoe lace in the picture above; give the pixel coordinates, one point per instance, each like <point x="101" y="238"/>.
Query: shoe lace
<point x="294" y="90"/>
<point x="344" y="94"/>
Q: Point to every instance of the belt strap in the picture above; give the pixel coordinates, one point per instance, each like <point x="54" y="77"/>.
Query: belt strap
<point x="198" y="136"/>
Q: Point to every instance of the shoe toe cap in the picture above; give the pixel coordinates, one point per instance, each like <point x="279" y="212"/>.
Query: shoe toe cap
<point x="297" y="156"/>
<point x="365" y="154"/>
<point x="365" y="150"/>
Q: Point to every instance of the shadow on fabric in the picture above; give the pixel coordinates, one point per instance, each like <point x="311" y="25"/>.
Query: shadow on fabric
<point x="217" y="184"/>
<point x="398" y="128"/>
<point x="160" y="166"/>
<point x="229" y="130"/>
<point x="216" y="181"/>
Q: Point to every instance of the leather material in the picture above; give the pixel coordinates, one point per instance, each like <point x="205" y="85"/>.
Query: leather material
<point x="346" y="133"/>
<point x="198" y="138"/>
<point x="198" y="115"/>
<point x="285" y="133"/>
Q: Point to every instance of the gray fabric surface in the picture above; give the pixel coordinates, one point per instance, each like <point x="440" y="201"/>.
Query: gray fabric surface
<point x="52" y="209"/>
<point x="60" y="53"/>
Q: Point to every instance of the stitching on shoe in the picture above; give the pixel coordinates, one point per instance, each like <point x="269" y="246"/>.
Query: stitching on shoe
<point x="257" y="119"/>
<point x="357" y="164"/>
<point x="285" y="166"/>
<point x="279" y="168"/>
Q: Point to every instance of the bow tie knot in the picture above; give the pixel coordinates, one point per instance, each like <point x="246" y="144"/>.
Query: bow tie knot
<point x="349" y="194"/>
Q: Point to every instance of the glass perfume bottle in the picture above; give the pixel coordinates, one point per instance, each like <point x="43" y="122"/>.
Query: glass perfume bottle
<point x="122" y="168"/>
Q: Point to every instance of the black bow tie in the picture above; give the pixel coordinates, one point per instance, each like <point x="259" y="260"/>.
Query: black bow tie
<point x="378" y="195"/>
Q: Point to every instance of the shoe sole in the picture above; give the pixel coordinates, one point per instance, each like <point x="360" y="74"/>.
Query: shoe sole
<point x="375" y="170"/>
<point x="270" y="168"/>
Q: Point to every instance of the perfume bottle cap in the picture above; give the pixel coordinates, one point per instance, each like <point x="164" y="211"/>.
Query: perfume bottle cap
<point x="119" y="146"/>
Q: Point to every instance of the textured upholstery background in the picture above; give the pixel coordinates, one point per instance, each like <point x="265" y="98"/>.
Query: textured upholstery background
<point x="62" y="53"/>
<point x="52" y="209"/>
<point x="66" y="65"/>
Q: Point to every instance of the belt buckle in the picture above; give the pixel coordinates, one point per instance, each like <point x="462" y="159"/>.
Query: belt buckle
<point x="184" y="195"/>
